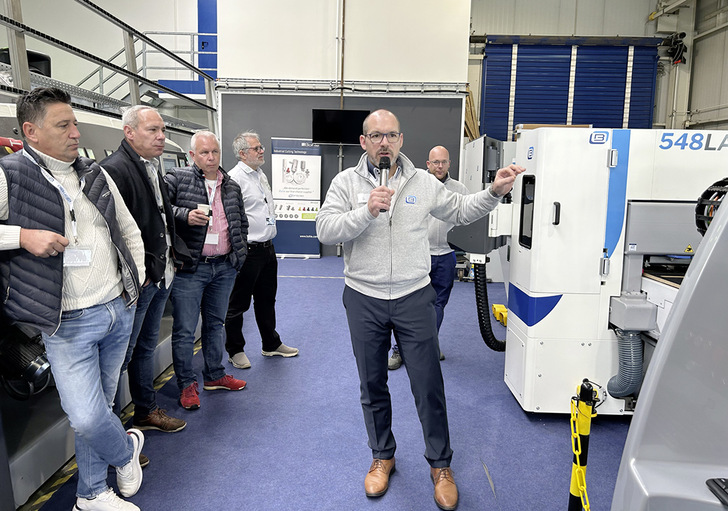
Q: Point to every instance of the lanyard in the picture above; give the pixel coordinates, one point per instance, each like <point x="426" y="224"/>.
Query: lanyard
<point x="58" y="186"/>
<point x="211" y="192"/>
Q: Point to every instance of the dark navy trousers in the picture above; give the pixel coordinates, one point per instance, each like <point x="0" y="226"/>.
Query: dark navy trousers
<point x="442" y="277"/>
<point x="413" y="321"/>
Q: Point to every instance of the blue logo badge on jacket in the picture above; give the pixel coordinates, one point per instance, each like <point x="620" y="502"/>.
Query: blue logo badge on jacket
<point x="410" y="199"/>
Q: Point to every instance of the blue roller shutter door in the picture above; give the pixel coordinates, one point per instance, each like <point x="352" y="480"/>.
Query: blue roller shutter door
<point x="542" y="86"/>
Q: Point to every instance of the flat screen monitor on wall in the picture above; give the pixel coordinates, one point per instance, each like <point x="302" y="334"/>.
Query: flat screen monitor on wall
<point x="337" y="126"/>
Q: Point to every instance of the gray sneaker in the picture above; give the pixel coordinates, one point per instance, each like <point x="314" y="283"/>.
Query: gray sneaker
<point x="106" y="501"/>
<point x="281" y="351"/>
<point x="240" y="360"/>
<point x="395" y="361"/>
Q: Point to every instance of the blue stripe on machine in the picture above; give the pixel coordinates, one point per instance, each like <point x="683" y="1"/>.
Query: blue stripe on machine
<point x="617" y="198"/>
<point x="530" y="309"/>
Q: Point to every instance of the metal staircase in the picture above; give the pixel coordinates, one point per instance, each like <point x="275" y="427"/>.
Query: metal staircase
<point x="117" y="82"/>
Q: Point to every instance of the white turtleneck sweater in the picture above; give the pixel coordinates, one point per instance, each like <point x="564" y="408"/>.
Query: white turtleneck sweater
<point x="99" y="282"/>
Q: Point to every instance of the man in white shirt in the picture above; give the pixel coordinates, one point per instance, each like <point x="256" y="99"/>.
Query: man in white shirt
<point x="258" y="279"/>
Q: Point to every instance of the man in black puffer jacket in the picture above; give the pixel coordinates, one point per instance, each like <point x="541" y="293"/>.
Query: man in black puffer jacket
<point x="210" y="218"/>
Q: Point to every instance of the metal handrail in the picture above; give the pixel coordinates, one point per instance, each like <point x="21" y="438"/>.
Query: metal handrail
<point x="11" y="23"/>
<point x="143" y="53"/>
<point x="139" y="35"/>
<point x="191" y="53"/>
<point x="102" y="81"/>
<point x="97" y="70"/>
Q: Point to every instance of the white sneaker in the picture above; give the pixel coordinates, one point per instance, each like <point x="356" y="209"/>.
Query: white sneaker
<point x="281" y="351"/>
<point x="107" y="501"/>
<point x="240" y="360"/>
<point x="129" y="477"/>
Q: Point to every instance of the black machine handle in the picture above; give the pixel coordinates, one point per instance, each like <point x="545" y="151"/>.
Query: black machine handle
<point x="557" y="213"/>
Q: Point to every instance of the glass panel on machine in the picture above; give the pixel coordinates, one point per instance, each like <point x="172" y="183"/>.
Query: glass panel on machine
<point x="528" y="189"/>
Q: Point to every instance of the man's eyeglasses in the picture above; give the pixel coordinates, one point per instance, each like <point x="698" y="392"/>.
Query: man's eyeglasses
<point x="257" y="149"/>
<point x="376" y="138"/>
<point x="437" y="163"/>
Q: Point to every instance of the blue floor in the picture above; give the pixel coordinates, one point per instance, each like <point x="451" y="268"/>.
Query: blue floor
<point x="294" y="439"/>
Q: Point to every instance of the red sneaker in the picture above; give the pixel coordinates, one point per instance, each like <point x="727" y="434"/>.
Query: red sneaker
<point x="188" y="398"/>
<point x="227" y="382"/>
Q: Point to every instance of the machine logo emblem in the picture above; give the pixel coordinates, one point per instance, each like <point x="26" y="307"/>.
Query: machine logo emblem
<point x="599" y="137"/>
<point x="530" y="153"/>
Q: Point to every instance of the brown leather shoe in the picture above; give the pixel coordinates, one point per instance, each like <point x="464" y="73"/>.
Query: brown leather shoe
<point x="160" y="421"/>
<point x="377" y="480"/>
<point x="446" y="491"/>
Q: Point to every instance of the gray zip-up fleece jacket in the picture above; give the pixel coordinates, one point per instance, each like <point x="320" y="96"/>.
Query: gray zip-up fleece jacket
<point x="388" y="257"/>
<point x="437" y="229"/>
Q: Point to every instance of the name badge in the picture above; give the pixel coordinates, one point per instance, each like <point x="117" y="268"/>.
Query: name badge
<point x="212" y="238"/>
<point x="76" y="257"/>
<point x="362" y="198"/>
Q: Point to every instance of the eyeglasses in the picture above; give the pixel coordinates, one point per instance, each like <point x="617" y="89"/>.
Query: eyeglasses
<point x="437" y="163"/>
<point x="376" y="138"/>
<point x="257" y="149"/>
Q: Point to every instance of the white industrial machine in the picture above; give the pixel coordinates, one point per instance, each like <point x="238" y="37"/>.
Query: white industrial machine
<point x="671" y="458"/>
<point x="482" y="158"/>
<point x="594" y="211"/>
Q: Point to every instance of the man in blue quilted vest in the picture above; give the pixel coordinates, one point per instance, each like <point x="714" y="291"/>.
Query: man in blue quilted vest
<point x="70" y="259"/>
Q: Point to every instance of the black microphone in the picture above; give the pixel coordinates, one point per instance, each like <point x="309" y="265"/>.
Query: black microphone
<point x="384" y="166"/>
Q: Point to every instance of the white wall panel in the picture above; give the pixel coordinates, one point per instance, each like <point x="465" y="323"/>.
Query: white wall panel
<point x="709" y="87"/>
<point x="562" y="17"/>
<point x="492" y="17"/>
<point x="285" y="39"/>
<point x="710" y="82"/>
<point x="625" y="17"/>
<point x="537" y="18"/>
<point x="413" y="40"/>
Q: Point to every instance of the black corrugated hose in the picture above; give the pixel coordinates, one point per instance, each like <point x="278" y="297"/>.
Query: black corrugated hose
<point x="481" y="300"/>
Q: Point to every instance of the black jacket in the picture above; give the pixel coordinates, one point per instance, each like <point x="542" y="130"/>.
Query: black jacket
<point x="130" y="175"/>
<point x="186" y="186"/>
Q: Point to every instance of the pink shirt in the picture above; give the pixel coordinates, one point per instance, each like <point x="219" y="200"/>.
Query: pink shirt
<point x="219" y="222"/>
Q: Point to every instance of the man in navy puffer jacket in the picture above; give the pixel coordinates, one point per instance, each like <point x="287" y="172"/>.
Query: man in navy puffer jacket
<point x="210" y="218"/>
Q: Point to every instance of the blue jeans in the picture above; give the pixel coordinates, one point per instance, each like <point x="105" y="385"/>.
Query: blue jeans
<point x="86" y="355"/>
<point x="442" y="276"/>
<point x="207" y="290"/>
<point x="142" y="344"/>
